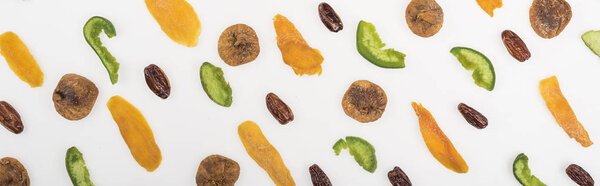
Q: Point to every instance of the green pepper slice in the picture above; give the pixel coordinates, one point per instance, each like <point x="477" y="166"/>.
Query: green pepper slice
<point x="370" y="46"/>
<point x="80" y="176"/>
<point x="592" y="41"/>
<point x="91" y="31"/>
<point x="522" y="172"/>
<point x="362" y="151"/>
<point x="214" y="84"/>
<point x="483" y="71"/>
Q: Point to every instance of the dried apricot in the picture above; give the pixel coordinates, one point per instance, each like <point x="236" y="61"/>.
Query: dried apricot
<point x="238" y="45"/>
<point x="295" y="51"/>
<point x="489" y="5"/>
<point x="177" y="19"/>
<point x="549" y="17"/>
<point x="20" y="61"/>
<point x="364" y="101"/>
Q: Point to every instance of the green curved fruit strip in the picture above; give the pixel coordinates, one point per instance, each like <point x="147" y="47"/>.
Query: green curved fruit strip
<point x="214" y="84"/>
<point x="370" y="46"/>
<point x="76" y="168"/>
<point x="483" y="70"/>
<point x="592" y="41"/>
<point x="91" y="31"/>
<point x="362" y="151"/>
<point x="522" y="172"/>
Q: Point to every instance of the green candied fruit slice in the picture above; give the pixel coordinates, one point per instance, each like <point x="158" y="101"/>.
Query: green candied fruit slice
<point x="483" y="71"/>
<point x="76" y="168"/>
<point x="362" y="151"/>
<point x="214" y="84"/>
<point x="523" y="173"/>
<point x="91" y="31"/>
<point x="370" y="46"/>
<point x="592" y="40"/>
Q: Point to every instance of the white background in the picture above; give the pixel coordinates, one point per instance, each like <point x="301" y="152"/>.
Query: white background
<point x="188" y="126"/>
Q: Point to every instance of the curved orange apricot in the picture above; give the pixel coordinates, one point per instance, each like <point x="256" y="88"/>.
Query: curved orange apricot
<point x="20" y="61"/>
<point x="489" y="5"/>
<point x="295" y="51"/>
<point x="177" y="19"/>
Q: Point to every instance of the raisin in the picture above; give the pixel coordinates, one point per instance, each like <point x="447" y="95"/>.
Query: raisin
<point x="217" y="170"/>
<point x="74" y="96"/>
<point x="279" y="109"/>
<point x="12" y="173"/>
<point x="238" y="45"/>
<point x="549" y="17"/>
<point x="515" y="46"/>
<point x="472" y="116"/>
<point x="398" y="177"/>
<point x="10" y="118"/>
<point x="424" y="17"/>
<point x="579" y="175"/>
<point x="329" y="18"/>
<point x="318" y="177"/>
<point x="364" y="101"/>
<point x="157" y="81"/>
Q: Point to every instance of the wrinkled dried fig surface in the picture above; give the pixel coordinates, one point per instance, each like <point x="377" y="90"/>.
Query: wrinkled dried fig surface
<point x="217" y="170"/>
<point x="364" y="101"/>
<point x="238" y="45"/>
<point x="549" y="17"/>
<point x="12" y="173"/>
<point x="424" y="17"/>
<point x="74" y="96"/>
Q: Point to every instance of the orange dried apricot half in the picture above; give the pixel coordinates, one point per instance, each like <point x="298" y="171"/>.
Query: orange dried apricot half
<point x="19" y="59"/>
<point x="295" y="51"/>
<point x="177" y="19"/>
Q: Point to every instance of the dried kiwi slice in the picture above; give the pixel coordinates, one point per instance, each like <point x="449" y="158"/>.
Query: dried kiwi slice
<point x="364" y="101"/>
<point x="424" y="17"/>
<point x="549" y="17"/>
<point x="217" y="170"/>
<point x="238" y="45"/>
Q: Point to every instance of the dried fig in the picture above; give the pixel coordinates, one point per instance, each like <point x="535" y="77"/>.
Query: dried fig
<point x="12" y="173"/>
<point x="424" y="17"/>
<point x="364" y="101"/>
<point x="238" y="45"/>
<point x="74" y="96"/>
<point x="217" y="170"/>
<point x="549" y="17"/>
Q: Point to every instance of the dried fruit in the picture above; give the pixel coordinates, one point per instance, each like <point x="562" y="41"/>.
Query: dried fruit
<point x="238" y="45"/>
<point x="515" y="46"/>
<point x="370" y="46"/>
<point x="523" y="173"/>
<point x="279" y="109"/>
<point x="472" y="116"/>
<point x="489" y="5"/>
<point x="424" y="17"/>
<point x="20" y="60"/>
<point x="217" y="170"/>
<point x="329" y="18"/>
<point x="364" y="101"/>
<point x="398" y="178"/>
<point x="438" y="144"/>
<point x="136" y="132"/>
<point x="592" y="41"/>
<point x="295" y="51"/>
<point x="177" y="19"/>
<point x="562" y="112"/>
<point x="157" y="81"/>
<point x="91" y="31"/>
<point x="362" y="151"/>
<point x="78" y="172"/>
<point x="483" y="70"/>
<point x="12" y="173"/>
<point x="549" y="17"/>
<point x="74" y="96"/>
<point x="214" y="84"/>
<point x="318" y="177"/>
<point x="10" y="118"/>
<point x="579" y="175"/>
<point x="264" y="154"/>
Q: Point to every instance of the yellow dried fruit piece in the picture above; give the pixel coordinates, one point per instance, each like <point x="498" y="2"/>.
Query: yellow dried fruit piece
<point x="489" y="5"/>
<point x="295" y="51"/>
<point x="438" y="144"/>
<point x="136" y="132"/>
<point x="19" y="59"/>
<point x="177" y="19"/>
<point x="265" y="155"/>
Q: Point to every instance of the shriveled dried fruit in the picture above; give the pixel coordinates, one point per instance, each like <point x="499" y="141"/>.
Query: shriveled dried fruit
<point x="472" y="116"/>
<point x="318" y="177"/>
<point x="20" y="60"/>
<point x="549" y="17"/>
<point x="12" y="173"/>
<point x="279" y="109"/>
<point x="329" y="18"/>
<point x="364" y="101"/>
<point x="10" y="118"/>
<point x="264" y="154"/>
<point x="78" y="172"/>
<point x="214" y="84"/>
<point x="489" y="5"/>
<point x="217" y="170"/>
<point x="515" y="46"/>
<point x="238" y="45"/>
<point x="157" y="81"/>
<point x="295" y="51"/>
<point x="177" y="19"/>
<point x="362" y="151"/>
<point x="522" y="172"/>
<point x="91" y="31"/>
<point x="579" y="175"/>
<point x="424" y="17"/>
<point x="74" y="96"/>
<point x="398" y="178"/>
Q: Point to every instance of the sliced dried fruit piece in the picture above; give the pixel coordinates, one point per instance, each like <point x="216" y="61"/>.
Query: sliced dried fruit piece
<point x="438" y="144"/>
<point x="562" y="112"/>
<point x="329" y="18"/>
<point x="279" y="109"/>
<point x="74" y="96"/>
<point x="370" y="46"/>
<point x="214" y="84"/>
<point x="10" y="118"/>
<point x="318" y="177"/>
<point x="364" y="101"/>
<point x="78" y="172"/>
<point x="398" y="178"/>
<point x="20" y="60"/>
<point x="489" y="5"/>
<point x="217" y="170"/>
<point x="549" y="17"/>
<point x="472" y="116"/>
<point x="295" y="51"/>
<point x="157" y="81"/>
<point x="91" y="31"/>
<point x="579" y="175"/>
<point x="483" y="70"/>
<point x="177" y="19"/>
<point x="424" y="17"/>
<point x="523" y="173"/>
<point x="136" y="132"/>
<point x="238" y="45"/>
<point x="515" y="46"/>
<point x="12" y="173"/>
<point x="264" y="154"/>
<point x="592" y="40"/>
<point x="362" y="151"/>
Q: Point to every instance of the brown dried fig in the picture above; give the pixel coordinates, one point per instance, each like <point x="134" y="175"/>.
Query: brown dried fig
<point x="74" y="96"/>
<point x="424" y="17"/>
<point x="217" y="170"/>
<point x="549" y="17"/>
<point x="364" y="101"/>
<point x="12" y="173"/>
<point x="238" y="45"/>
